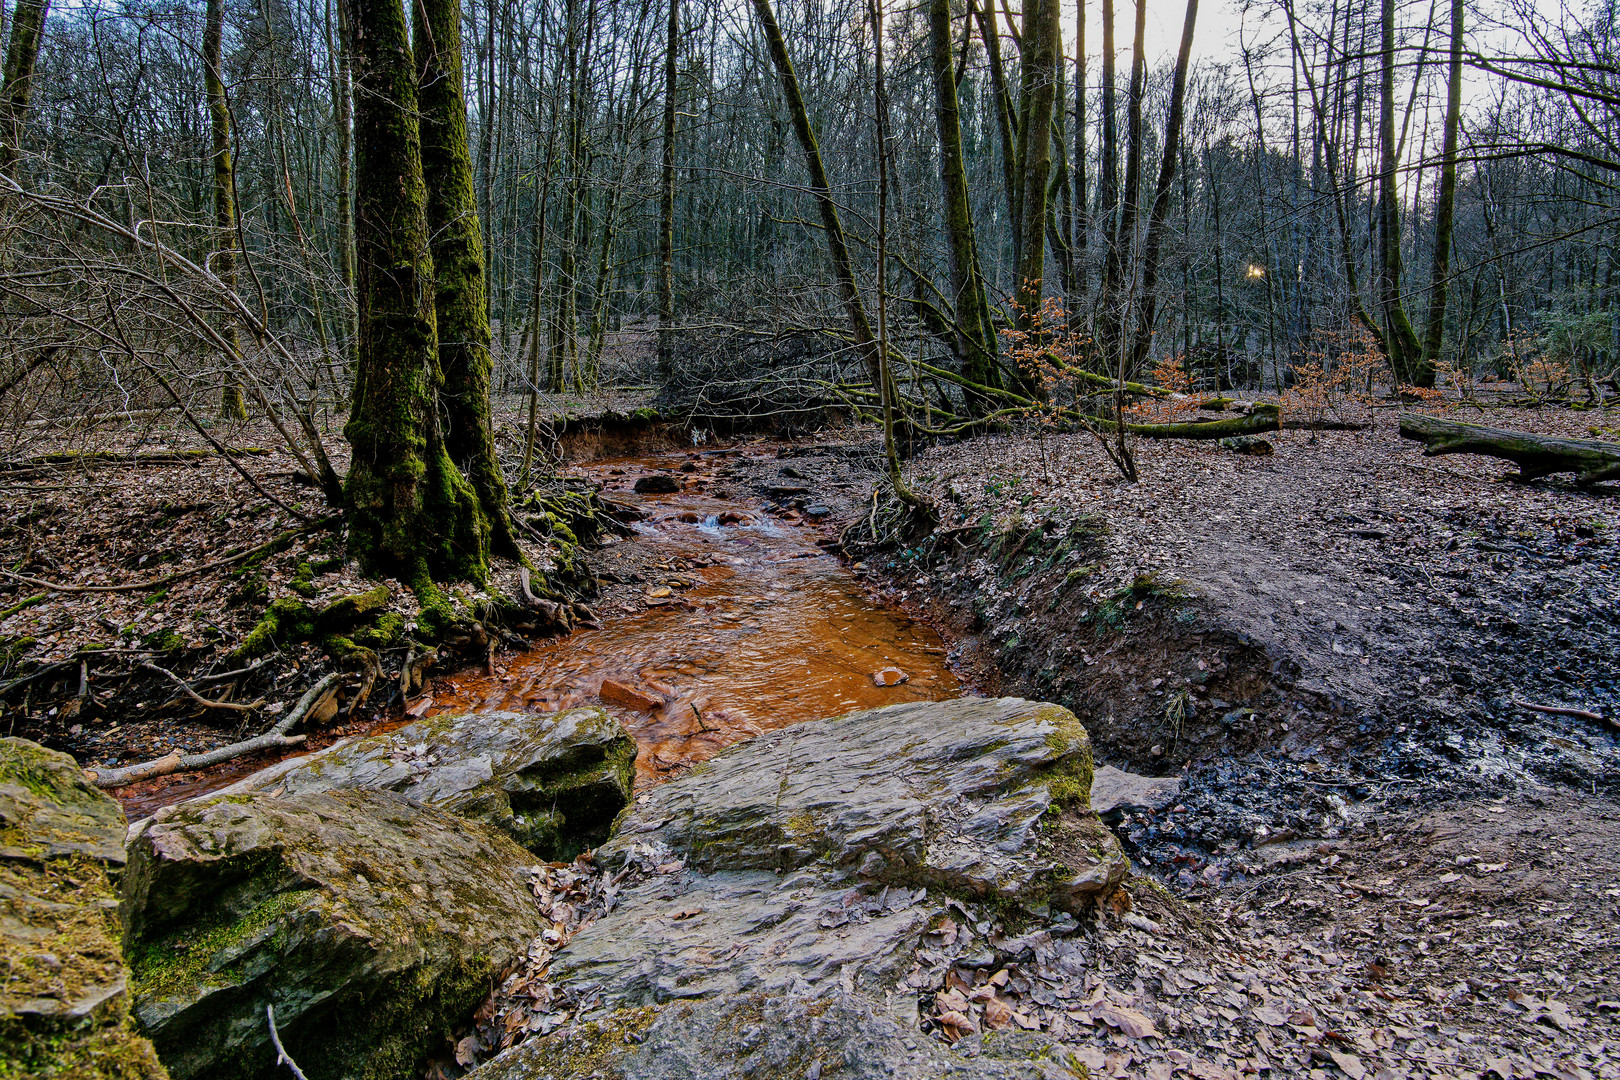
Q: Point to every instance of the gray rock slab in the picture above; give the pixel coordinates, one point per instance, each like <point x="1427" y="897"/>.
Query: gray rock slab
<point x="776" y="898"/>
<point x="1114" y="791"/>
<point x="953" y="794"/>
<point x="848" y="1036"/>
<point x="554" y="782"/>
<point x="48" y="809"/>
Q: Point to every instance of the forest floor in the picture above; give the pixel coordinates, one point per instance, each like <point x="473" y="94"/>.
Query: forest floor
<point x="1331" y="647"/>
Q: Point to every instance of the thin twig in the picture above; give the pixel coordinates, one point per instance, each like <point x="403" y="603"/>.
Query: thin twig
<point x="206" y="703"/>
<point x="282" y="1057"/>
<point x="1562" y="710"/>
<point x="238" y="673"/>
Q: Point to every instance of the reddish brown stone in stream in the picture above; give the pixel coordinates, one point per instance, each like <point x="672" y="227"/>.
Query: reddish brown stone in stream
<point x="622" y="694"/>
<point x="889" y="676"/>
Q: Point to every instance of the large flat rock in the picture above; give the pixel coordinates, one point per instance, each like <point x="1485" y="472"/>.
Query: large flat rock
<point x="371" y="923"/>
<point x="64" y="989"/>
<point x="841" y="1036"/>
<point x="803" y="871"/>
<point x="951" y="794"/>
<point x="552" y="781"/>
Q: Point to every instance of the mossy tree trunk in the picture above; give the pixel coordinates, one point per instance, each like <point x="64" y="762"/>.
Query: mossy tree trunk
<point x="1445" y="209"/>
<point x="341" y="99"/>
<point x="27" y="24"/>
<point x="975" y="334"/>
<point x="1042" y="48"/>
<point x="1400" y="340"/>
<point x="411" y="513"/>
<point x="461" y="304"/>
<point x="231" y="404"/>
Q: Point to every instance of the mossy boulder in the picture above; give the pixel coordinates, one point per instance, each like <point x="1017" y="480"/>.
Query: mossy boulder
<point x="372" y="924"/>
<point x="818" y="856"/>
<point x="954" y="794"/>
<point x="554" y="782"/>
<point x="64" y="998"/>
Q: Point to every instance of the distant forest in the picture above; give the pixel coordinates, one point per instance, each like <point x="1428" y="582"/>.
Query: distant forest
<point x="1431" y="183"/>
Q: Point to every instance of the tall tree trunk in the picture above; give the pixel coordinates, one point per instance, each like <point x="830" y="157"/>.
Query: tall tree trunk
<point x="411" y="514"/>
<point x="860" y="326"/>
<point x="975" y="334"/>
<point x="1405" y="352"/>
<point x="1043" y="45"/>
<point x="1108" y="182"/>
<point x="1006" y="119"/>
<point x="1445" y="206"/>
<point x="1080" y="242"/>
<point x="27" y="25"/>
<point x="461" y="306"/>
<point x="666" y="200"/>
<point x="1117" y="300"/>
<point x="1161" y="197"/>
<point x="232" y="406"/>
<point x="341" y="104"/>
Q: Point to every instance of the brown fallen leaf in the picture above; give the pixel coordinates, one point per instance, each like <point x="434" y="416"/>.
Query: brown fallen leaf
<point x="1026" y="1022"/>
<point x="997" y="1013"/>
<point x="422" y="705"/>
<point x="1350" y="1063"/>
<point x="1269" y="1016"/>
<point x="1129" y="1022"/>
<point x="951" y="1001"/>
<point x="957" y="1024"/>
<point x="686" y="913"/>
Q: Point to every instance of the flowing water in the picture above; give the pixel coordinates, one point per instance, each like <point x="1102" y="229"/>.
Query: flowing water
<point x="748" y="625"/>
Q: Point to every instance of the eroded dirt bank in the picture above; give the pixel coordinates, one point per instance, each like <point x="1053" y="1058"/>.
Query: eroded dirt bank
<point x="1329" y="648"/>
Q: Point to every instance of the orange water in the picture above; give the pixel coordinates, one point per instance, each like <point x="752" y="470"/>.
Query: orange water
<point x="761" y="629"/>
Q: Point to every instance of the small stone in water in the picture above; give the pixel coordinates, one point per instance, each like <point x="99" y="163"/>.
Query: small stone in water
<point x="620" y="694"/>
<point x="889" y="676"/>
<point x="657" y="484"/>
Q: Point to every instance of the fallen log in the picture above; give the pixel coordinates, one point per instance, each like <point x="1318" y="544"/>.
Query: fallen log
<point x="1264" y="417"/>
<point x="274" y="739"/>
<point x="1592" y="460"/>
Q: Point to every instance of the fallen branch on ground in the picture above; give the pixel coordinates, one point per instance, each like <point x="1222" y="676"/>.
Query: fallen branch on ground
<point x="1265" y="417"/>
<point x="235" y="706"/>
<point x="113" y="457"/>
<point x="1564" y="710"/>
<point x="1592" y="460"/>
<point x="273" y="739"/>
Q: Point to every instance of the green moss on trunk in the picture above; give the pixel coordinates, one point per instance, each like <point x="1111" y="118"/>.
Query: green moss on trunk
<point x="460" y="300"/>
<point x="411" y="512"/>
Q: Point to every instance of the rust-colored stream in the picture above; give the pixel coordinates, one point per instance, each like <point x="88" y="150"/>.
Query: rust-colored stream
<point x="760" y="629"/>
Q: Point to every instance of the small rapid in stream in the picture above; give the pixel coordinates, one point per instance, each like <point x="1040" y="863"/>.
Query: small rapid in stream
<point x="746" y="625"/>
